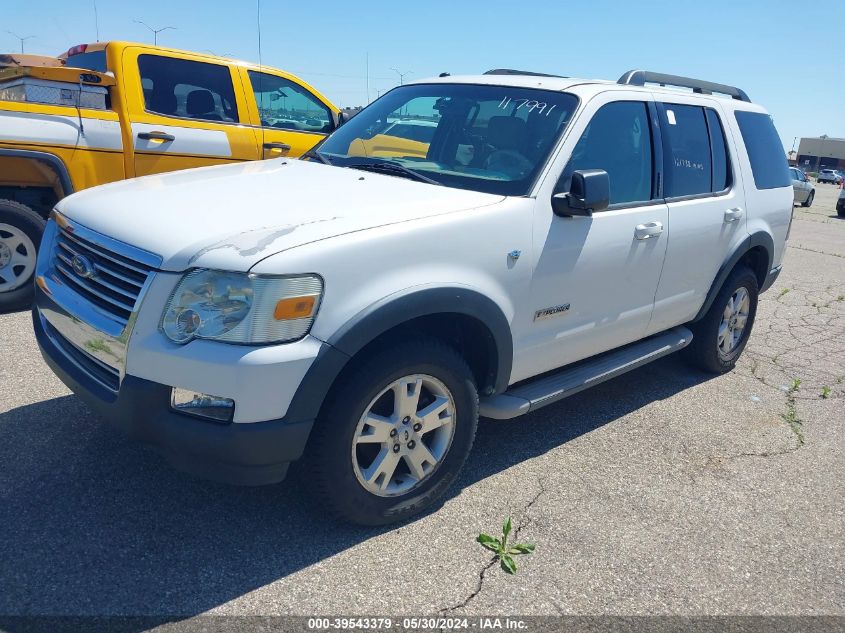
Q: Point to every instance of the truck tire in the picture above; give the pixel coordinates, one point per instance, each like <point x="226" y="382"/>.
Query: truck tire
<point x="721" y="335"/>
<point x="395" y="434"/>
<point x="20" y="235"/>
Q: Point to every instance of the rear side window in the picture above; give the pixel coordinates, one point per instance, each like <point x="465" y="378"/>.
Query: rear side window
<point x="187" y="89"/>
<point x="689" y="167"/>
<point x="765" y="151"/>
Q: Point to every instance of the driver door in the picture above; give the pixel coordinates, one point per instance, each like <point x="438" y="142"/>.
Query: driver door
<point x="595" y="277"/>
<point x="289" y="116"/>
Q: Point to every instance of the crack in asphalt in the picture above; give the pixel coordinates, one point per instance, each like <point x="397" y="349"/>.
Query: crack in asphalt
<point x="482" y="574"/>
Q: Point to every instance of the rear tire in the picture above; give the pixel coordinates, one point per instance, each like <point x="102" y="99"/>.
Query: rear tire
<point x="20" y="234"/>
<point x="721" y="335"/>
<point x="379" y="473"/>
<point x="809" y="201"/>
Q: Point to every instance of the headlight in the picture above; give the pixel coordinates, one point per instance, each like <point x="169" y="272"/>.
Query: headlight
<point x="241" y="308"/>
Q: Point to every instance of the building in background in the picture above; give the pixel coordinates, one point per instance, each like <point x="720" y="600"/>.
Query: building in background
<point x="820" y="153"/>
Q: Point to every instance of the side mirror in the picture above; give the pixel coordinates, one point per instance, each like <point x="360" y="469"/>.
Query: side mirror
<point x="343" y="117"/>
<point x="588" y="193"/>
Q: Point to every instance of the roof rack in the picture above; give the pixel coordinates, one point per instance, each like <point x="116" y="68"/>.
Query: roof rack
<point x="642" y="77"/>
<point x="510" y="71"/>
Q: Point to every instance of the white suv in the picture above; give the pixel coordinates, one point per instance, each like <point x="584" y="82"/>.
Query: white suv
<point x="365" y="305"/>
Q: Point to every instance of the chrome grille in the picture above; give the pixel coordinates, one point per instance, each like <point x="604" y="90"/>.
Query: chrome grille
<point x="107" y="279"/>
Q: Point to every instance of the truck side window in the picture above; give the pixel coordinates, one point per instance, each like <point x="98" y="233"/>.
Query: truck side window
<point x="187" y="89"/>
<point x="617" y="140"/>
<point x="286" y="105"/>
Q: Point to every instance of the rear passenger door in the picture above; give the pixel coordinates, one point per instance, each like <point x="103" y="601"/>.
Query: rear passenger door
<point x="186" y="112"/>
<point x="288" y="116"/>
<point x="704" y="193"/>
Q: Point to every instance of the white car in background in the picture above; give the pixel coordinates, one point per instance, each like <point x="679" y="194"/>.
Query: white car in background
<point x="830" y="176"/>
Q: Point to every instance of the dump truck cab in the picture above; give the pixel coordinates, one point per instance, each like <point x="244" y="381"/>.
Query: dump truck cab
<point x="103" y="112"/>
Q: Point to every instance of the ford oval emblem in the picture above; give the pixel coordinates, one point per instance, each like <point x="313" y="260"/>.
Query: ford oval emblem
<point x="82" y="266"/>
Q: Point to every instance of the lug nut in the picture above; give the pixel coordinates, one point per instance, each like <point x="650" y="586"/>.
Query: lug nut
<point x="396" y="448"/>
<point x="417" y="427"/>
<point x="411" y="444"/>
<point x="393" y="432"/>
<point x="406" y="420"/>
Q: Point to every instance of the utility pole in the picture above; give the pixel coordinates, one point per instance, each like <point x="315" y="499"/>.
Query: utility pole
<point x="96" y="21"/>
<point x="22" y="39"/>
<point x="155" y="32"/>
<point x="823" y="137"/>
<point x="402" y="75"/>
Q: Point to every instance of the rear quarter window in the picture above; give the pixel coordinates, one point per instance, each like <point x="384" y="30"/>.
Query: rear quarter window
<point x="765" y="151"/>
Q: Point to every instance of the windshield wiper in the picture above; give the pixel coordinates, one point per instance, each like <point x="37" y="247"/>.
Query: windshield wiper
<point x="390" y="167"/>
<point x="318" y="156"/>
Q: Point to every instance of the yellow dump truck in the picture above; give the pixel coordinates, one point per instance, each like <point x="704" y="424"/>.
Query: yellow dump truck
<point x="112" y="110"/>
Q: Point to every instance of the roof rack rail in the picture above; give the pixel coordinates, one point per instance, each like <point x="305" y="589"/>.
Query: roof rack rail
<point x="642" y="77"/>
<point x="511" y="71"/>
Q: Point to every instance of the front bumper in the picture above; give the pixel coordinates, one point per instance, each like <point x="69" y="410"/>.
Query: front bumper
<point x="248" y="454"/>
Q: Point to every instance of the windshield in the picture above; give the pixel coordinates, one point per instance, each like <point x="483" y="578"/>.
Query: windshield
<point x="493" y="139"/>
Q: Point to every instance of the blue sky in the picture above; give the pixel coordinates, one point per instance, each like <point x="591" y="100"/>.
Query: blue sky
<point x="761" y="46"/>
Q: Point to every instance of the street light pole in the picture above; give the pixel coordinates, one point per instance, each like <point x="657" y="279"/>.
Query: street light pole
<point x="155" y="32"/>
<point x="22" y="39"/>
<point x="402" y="75"/>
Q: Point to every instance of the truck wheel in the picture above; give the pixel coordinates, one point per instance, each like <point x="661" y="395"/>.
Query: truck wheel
<point x="720" y="337"/>
<point x="809" y="201"/>
<point x="20" y="234"/>
<point x="396" y="433"/>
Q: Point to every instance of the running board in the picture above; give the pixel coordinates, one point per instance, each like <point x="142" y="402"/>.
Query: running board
<point x="532" y="395"/>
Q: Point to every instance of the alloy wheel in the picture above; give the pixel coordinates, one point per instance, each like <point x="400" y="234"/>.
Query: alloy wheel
<point x="734" y="320"/>
<point x="403" y="435"/>
<point x="17" y="257"/>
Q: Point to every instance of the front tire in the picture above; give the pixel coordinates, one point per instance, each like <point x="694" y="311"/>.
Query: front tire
<point x="395" y="434"/>
<point x="20" y="234"/>
<point x="721" y="335"/>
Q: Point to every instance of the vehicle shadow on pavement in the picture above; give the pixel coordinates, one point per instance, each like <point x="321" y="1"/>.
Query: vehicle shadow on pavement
<point x="93" y="524"/>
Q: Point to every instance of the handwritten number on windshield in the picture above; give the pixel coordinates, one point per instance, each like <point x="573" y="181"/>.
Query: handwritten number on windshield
<point x="530" y="104"/>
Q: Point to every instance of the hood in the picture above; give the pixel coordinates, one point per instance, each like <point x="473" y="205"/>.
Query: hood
<point x="230" y="217"/>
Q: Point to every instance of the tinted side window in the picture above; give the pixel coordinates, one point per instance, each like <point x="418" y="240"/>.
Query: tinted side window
<point x="719" y="152"/>
<point x="617" y="140"/>
<point x="187" y="89"/>
<point x="689" y="170"/>
<point x="765" y="151"/>
<point x="286" y="105"/>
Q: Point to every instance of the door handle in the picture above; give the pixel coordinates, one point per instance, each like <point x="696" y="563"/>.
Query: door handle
<point x="732" y="215"/>
<point x="283" y="147"/>
<point x="648" y="230"/>
<point x="156" y="136"/>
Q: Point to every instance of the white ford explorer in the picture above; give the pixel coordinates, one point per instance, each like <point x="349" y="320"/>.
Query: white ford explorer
<point x="363" y="307"/>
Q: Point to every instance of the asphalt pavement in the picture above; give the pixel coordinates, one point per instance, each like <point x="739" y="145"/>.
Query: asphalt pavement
<point x="664" y="491"/>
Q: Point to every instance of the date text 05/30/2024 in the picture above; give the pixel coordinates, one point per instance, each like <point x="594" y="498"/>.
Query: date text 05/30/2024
<point x="416" y="624"/>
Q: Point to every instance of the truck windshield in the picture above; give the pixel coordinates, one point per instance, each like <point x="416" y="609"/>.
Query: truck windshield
<point x="493" y="139"/>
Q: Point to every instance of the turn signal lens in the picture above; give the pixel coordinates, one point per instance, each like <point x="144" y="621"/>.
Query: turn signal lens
<point x="294" y="308"/>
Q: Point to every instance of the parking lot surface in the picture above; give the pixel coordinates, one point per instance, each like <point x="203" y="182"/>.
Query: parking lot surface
<point x="664" y="491"/>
